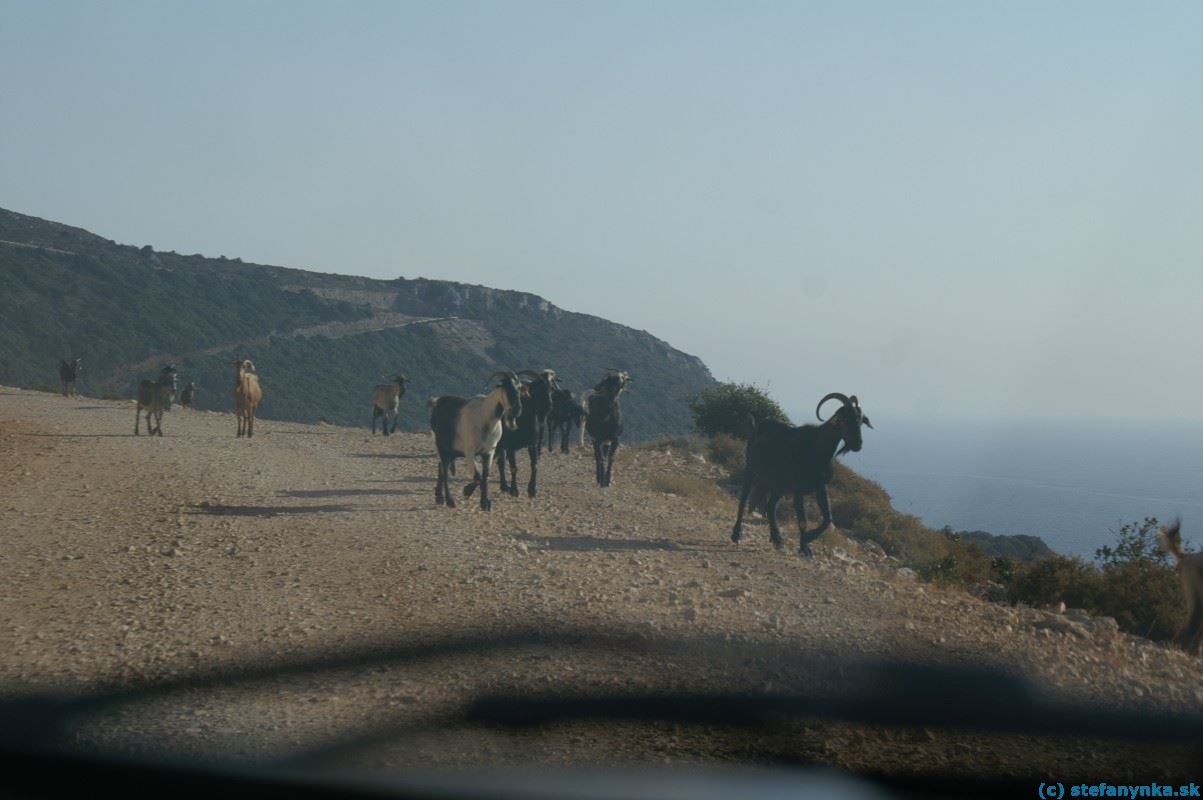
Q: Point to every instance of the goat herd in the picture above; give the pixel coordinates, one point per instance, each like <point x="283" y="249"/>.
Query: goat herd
<point x="514" y="415"/>
<point x="521" y="407"/>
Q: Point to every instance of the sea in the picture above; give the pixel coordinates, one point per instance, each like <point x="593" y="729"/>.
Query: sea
<point x="1071" y="482"/>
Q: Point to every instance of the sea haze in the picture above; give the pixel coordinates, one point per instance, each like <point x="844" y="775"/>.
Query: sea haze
<point x="1072" y="483"/>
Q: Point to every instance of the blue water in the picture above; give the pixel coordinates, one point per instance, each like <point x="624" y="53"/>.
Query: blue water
<point x="1071" y="483"/>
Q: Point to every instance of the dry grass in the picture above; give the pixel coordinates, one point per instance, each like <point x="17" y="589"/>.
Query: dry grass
<point x="729" y="452"/>
<point x="702" y="491"/>
<point x="688" y="445"/>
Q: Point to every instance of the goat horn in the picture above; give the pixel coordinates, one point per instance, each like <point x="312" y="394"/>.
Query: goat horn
<point x="843" y="398"/>
<point x="501" y="374"/>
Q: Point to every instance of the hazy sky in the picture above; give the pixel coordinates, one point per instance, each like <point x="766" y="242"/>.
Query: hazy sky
<point x="985" y="208"/>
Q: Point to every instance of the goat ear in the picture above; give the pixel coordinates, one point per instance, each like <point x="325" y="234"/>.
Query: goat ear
<point x="499" y="411"/>
<point x="866" y="422"/>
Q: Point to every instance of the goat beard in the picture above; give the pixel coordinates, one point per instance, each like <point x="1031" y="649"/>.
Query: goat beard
<point x="843" y="449"/>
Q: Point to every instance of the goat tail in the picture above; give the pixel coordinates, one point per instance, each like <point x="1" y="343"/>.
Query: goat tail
<point x="1170" y="539"/>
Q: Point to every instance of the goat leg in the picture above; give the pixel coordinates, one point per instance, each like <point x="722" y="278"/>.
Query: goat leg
<point x="533" y="452"/>
<point x="1191" y="635"/>
<point x="610" y="462"/>
<point x="501" y="481"/>
<point x="800" y="513"/>
<point x="771" y="510"/>
<point x="486" y="464"/>
<point x="738" y="531"/>
<point x="825" y="510"/>
<point x="512" y="457"/>
<point x="448" y="471"/>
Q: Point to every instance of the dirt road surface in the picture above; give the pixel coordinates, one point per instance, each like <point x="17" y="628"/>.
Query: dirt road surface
<point x="133" y="561"/>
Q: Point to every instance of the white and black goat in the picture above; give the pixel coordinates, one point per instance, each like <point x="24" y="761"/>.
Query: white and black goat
<point x="471" y="428"/>
<point x="386" y="400"/>
<point x="536" y="406"/>
<point x="154" y="397"/>
<point x="1190" y="570"/>
<point x="68" y="371"/>
<point x="603" y="422"/>
<point x="566" y="411"/>
<point x="782" y="459"/>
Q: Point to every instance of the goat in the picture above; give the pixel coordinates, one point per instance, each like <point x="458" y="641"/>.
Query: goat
<point x="782" y="459"/>
<point x="565" y="412"/>
<point x="67" y="372"/>
<point x="536" y="405"/>
<point x="1190" y="569"/>
<point x="471" y="427"/>
<point x="386" y="399"/>
<point x="188" y="396"/>
<point x="247" y="396"/>
<point x="153" y="398"/>
<point x="604" y="422"/>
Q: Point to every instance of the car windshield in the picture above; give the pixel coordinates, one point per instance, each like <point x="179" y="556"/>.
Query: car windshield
<point x="718" y="390"/>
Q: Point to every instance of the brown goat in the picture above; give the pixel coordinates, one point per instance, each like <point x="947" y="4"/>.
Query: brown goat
<point x="247" y="395"/>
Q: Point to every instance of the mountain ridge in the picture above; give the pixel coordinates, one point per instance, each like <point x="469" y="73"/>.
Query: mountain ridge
<point x="319" y="339"/>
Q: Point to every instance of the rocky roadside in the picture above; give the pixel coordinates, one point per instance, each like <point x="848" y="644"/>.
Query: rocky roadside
<point x="130" y="560"/>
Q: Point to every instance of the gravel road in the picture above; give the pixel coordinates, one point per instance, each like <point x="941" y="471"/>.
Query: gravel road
<point x="133" y="561"/>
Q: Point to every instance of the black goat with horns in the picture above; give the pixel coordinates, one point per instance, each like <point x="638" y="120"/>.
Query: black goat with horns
<point x="566" y="411"/>
<point x="68" y="371"/>
<point x="783" y="459"/>
<point x="603" y="421"/>
<point x="537" y="391"/>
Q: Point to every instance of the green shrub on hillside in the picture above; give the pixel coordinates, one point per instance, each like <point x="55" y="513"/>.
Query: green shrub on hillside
<point x="725" y="409"/>
<point x="1135" y="543"/>
<point x="1131" y="581"/>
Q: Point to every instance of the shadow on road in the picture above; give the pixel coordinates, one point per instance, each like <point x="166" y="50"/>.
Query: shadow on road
<point x="300" y="433"/>
<point x="406" y="479"/>
<point x="595" y="543"/>
<point x="339" y="492"/>
<point x="430" y="456"/>
<point x="266" y="511"/>
<point x="82" y="435"/>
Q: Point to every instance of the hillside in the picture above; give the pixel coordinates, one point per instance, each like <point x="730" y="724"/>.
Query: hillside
<point x="130" y="562"/>
<point x="320" y="341"/>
